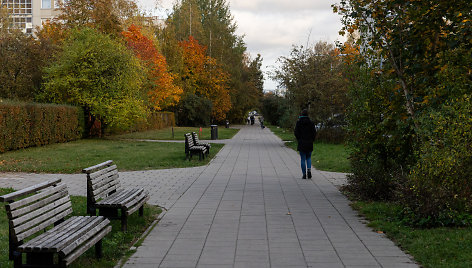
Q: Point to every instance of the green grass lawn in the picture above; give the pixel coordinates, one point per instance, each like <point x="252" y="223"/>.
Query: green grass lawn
<point x="327" y="157"/>
<point x="435" y="247"/>
<point x="72" y="157"/>
<point x="166" y="134"/>
<point x="115" y="245"/>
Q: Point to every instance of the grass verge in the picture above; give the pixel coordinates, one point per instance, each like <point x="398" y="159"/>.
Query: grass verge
<point x="326" y="156"/>
<point x="115" y="245"/>
<point x="72" y="157"/>
<point x="435" y="247"/>
<point x="166" y="133"/>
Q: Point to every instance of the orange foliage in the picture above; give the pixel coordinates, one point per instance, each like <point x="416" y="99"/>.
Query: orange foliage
<point x="52" y="31"/>
<point x="350" y="51"/>
<point x="162" y="92"/>
<point x="204" y="77"/>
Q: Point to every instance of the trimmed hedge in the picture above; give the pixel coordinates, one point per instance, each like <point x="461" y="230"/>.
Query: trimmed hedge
<point x="154" y="120"/>
<point x="31" y="124"/>
<point x="157" y="120"/>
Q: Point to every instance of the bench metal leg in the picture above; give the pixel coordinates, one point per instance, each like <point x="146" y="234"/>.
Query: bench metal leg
<point x="124" y="220"/>
<point x="141" y="211"/>
<point x="98" y="249"/>
<point x="17" y="259"/>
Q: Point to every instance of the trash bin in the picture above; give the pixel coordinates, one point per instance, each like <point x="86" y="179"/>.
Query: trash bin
<point x="214" y="132"/>
<point x="227" y="124"/>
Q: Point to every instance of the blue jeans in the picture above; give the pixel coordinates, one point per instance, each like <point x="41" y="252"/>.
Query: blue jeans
<point x="305" y="162"/>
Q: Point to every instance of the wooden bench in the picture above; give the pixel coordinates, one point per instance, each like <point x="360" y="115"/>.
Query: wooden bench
<point x="191" y="148"/>
<point x="34" y="209"/>
<point x="197" y="142"/>
<point x="104" y="193"/>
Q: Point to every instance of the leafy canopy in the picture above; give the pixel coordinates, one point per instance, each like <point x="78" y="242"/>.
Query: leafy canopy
<point x="99" y="74"/>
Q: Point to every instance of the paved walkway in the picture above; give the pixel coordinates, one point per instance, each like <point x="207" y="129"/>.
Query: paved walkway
<point x="247" y="208"/>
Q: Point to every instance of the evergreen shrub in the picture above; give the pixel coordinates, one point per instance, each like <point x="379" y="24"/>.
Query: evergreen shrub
<point x="30" y="124"/>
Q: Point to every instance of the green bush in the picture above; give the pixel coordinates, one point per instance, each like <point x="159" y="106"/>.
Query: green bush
<point x="155" y="120"/>
<point x="440" y="189"/>
<point x="382" y="140"/>
<point x="194" y="110"/>
<point x="28" y="124"/>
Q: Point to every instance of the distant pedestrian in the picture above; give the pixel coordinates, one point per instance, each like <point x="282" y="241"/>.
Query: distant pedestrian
<point x="252" y="120"/>
<point x="261" y="120"/>
<point x="305" y="132"/>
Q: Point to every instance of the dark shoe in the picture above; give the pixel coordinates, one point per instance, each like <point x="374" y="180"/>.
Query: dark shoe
<point x="309" y="174"/>
<point x="304" y="177"/>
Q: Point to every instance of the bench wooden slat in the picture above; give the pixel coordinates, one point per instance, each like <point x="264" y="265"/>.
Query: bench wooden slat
<point x="52" y="194"/>
<point x="106" y="192"/>
<point x="34" y="214"/>
<point x="79" y="232"/>
<point x="45" y="241"/>
<point x="21" y="236"/>
<point x="30" y="199"/>
<point x="28" y="190"/>
<point x="103" y="179"/>
<point x="115" y="198"/>
<point x="46" y="236"/>
<point x="132" y="197"/>
<point x="137" y="206"/>
<point x="106" y="182"/>
<point x="105" y="189"/>
<point x="60" y="239"/>
<point x="134" y="200"/>
<point x="77" y="252"/>
<point x="97" y="176"/>
<point x="98" y="166"/>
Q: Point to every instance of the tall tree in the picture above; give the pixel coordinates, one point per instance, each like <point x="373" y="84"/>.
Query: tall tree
<point x="159" y="84"/>
<point x="210" y="22"/>
<point x="204" y="77"/>
<point x="107" y="16"/>
<point x="21" y="61"/>
<point x="99" y="74"/>
<point x="313" y="79"/>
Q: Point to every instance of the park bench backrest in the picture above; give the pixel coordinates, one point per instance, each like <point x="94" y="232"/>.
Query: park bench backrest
<point x="34" y="208"/>
<point x="196" y="141"/>
<point x="189" y="140"/>
<point x="102" y="180"/>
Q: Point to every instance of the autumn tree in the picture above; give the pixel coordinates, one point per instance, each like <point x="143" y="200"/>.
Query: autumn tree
<point x="211" y="23"/>
<point x="21" y="61"/>
<point x="99" y="74"/>
<point x="313" y="79"/>
<point x="202" y="76"/>
<point x="159" y="85"/>
<point x="250" y="91"/>
<point x="107" y="16"/>
<point x="407" y="48"/>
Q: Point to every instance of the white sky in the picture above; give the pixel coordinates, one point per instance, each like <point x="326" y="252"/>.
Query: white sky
<point x="271" y="27"/>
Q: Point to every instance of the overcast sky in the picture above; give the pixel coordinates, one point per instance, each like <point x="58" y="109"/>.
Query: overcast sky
<point x="271" y="27"/>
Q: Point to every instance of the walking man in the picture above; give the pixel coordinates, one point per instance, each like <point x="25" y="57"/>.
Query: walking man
<point x="305" y="132"/>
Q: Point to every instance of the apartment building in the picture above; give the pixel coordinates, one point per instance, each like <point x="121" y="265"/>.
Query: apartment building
<point x="27" y="14"/>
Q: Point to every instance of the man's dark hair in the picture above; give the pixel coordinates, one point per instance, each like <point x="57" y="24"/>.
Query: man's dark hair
<point x="304" y="112"/>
